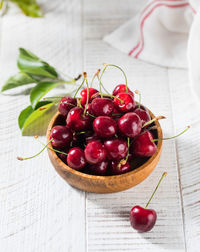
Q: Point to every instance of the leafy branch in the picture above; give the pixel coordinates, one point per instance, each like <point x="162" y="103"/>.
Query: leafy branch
<point x="29" y="7"/>
<point x="33" y="70"/>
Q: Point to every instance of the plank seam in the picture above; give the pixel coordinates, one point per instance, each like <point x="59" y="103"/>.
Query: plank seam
<point x="177" y="165"/>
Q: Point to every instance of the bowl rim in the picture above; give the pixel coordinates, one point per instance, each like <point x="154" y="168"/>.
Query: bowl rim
<point x="65" y="167"/>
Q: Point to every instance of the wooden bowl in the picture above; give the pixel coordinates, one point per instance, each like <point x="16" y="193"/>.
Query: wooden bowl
<point x="103" y="184"/>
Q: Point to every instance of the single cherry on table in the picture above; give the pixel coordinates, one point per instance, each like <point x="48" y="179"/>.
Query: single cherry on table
<point x="143" y="219"/>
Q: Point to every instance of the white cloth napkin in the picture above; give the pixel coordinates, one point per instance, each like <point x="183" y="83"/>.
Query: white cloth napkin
<point x="165" y="32"/>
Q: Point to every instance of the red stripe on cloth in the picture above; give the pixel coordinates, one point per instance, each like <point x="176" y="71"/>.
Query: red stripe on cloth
<point x="149" y="5"/>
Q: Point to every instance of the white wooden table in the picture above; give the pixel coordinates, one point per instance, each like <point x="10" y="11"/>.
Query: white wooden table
<point x="38" y="210"/>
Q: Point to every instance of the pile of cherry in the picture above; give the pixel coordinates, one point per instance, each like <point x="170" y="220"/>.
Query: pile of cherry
<point x="103" y="133"/>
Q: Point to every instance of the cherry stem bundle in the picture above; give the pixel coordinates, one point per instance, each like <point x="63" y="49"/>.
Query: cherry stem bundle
<point x="168" y="138"/>
<point x="163" y="175"/>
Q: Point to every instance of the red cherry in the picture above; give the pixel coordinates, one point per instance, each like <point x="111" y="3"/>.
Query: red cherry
<point x="143" y="115"/>
<point x="142" y="219"/>
<point x="102" y="106"/>
<point x="126" y="104"/>
<point x="66" y="104"/>
<point x="99" y="168"/>
<point x="61" y="135"/>
<point x="92" y="91"/>
<point x="121" y="88"/>
<point x="105" y="126"/>
<point x="95" y="152"/>
<point x="130" y="124"/>
<point x="76" y="120"/>
<point x="76" y="158"/>
<point x="91" y="136"/>
<point x="117" y="149"/>
<point x="143" y="145"/>
<point x="140" y="107"/>
<point x="117" y="168"/>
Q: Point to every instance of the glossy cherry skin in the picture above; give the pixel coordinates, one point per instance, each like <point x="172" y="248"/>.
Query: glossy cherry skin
<point x="76" y="120"/>
<point x="92" y="91"/>
<point x="99" y="168"/>
<point x="130" y="124"/>
<point x="76" y="158"/>
<point x="91" y="136"/>
<point x="143" y="145"/>
<point x="143" y="115"/>
<point x="105" y="126"/>
<point x="61" y="135"/>
<point x="126" y="104"/>
<point x="142" y="219"/>
<point x="141" y="107"/>
<point x="95" y="152"/>
<point x="121" y="88"/>
<point x="117" y="169"/>
<point x="66" y="104"/>
<point x="117" y="149"/>
<point x="102" y="106"/>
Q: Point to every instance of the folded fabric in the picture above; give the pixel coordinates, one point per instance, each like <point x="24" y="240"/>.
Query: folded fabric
<point x="165" y="32"/>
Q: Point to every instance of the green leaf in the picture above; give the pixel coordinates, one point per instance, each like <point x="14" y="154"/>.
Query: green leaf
<point x="40" y="90"/>
<point x="29" y="7"/>
<point x="1" y="4"/>
<point x="25" y="113"/>
<point x="30" y="63"/>
<point x="36" y="123"/>
<point x="17" y="80"/>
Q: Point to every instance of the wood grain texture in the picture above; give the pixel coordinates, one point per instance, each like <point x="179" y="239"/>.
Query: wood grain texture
<point x="39" y="212"/>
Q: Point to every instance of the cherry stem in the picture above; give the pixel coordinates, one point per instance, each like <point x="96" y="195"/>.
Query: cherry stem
<point x="20" y="158"/>
<point x="95" y="75"/>
<point x="87" y="101"/>
<point x="167" y="138"/>
<point x="128" y="141"/>
<point x="61" y="152"/>
<point x="112" y="96"/>
<point x="112" y="65"/>
<point x="140" y="98"/>
<point x="79" y="88"/>
<point x="100" y="83"/>
<point x="153" y="120"/>
<point x="163" y="175"/>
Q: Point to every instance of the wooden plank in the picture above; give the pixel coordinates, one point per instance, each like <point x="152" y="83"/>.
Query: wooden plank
<point x="186" y="111"/>
<point x="108" y="226"/>
<point x="39" y="211"/>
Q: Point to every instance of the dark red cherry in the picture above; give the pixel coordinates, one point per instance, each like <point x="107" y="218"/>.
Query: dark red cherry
<point x="143" y="115"/>
<point x="126" y="102"/>
<point x="117" y="168"/>
<point x="105" y="126"/>
<point x="121" y="88"/>
<point x="91" y="136"/>
<point x="92" y="91"/>
<point x="102" y="106"/>
<point x="130" y="124"/>
<point x="141" y="107"/>
<point x="99" y="168"/>
<point x="117" y="149"/>
<point x="76" y="120"/>
<point x="142" y="219"/>
<point x="66" y="104"/>
<point x="61" y="135"/>
<point x="95" y="152"/>
<point x="143" y="145"/>
<point x="76" y="158"/>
